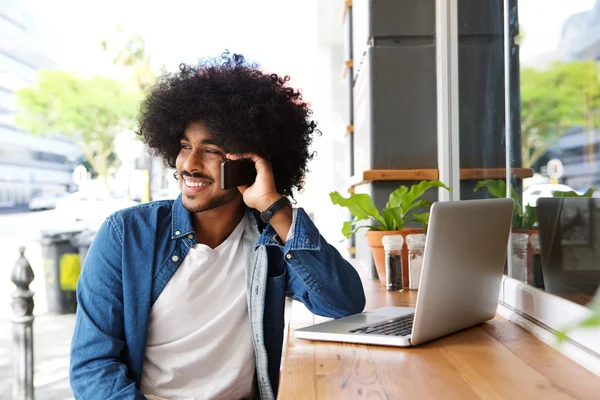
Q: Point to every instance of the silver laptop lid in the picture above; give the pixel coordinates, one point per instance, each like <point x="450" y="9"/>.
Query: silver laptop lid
<point x="463" y="261"/>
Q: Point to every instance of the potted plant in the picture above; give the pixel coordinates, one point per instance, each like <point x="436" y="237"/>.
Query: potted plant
<point x="398" y="212"/>
<point x="523" y="223"/>
<point x="524" y="219"/>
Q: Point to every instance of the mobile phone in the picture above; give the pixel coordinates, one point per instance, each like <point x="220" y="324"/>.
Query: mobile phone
<point x="236" y="173"/>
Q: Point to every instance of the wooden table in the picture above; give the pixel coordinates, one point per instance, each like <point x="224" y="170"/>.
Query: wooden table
<point x="495" y="360"/>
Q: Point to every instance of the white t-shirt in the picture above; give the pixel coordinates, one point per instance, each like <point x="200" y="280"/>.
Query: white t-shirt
<point x="199" y="338"/>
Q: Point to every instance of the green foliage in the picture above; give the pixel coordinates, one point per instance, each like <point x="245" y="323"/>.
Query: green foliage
<point x="497" y="188"/>
<point x="591" y="321"/>
<point x="555" y="99"/>
<point x="395" y="215"/>
<point x="522" y="219"/>
<point x="359" y="205"/>
<point x="90" y="111"/>
<point x="128" y="52"/>
<point x="528" y="219"/>
<point x="572" y="193"/>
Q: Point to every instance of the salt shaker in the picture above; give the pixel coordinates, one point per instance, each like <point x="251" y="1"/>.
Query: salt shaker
<point x="392" y="246"/>
<point x="519" y="243"/>
<point x="416" y="245"/>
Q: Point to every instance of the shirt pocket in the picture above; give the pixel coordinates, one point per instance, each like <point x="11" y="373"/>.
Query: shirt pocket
<point x="275" y="300"/>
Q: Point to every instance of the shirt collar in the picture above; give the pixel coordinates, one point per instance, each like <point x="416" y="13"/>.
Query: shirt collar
<point x="182" y="224"/>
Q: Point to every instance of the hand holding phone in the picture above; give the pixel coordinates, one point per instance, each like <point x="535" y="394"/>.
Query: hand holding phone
<point x="236" y="173"/>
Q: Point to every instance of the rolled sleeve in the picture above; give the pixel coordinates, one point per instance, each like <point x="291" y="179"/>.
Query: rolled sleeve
<point x="318" y="275"/>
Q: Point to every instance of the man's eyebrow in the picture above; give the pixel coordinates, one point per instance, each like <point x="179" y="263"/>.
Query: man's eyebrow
<point x="203" y="141"/>
<point x="208" y="141"/>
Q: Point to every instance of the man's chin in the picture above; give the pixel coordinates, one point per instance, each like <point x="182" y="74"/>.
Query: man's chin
<point x="195" y="205"/>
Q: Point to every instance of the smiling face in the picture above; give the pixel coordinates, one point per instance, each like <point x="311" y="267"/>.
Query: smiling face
<point x="199" y="168"/>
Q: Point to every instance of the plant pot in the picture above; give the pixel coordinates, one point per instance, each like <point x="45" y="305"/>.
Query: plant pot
<point x="374" y="240"/>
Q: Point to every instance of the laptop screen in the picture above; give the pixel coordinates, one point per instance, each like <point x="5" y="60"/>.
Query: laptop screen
<point x="569" y="230"/>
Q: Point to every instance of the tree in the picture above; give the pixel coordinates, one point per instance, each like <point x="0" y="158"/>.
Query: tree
<point x="90" y="111"/>
<point x="128" y="52"/>
<point x="553" y="100"/>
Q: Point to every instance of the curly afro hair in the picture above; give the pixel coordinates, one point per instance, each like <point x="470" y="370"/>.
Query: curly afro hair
<point x="245" y="109"/>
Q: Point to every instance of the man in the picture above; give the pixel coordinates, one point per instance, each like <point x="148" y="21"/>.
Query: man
<point x="185" y="299"/>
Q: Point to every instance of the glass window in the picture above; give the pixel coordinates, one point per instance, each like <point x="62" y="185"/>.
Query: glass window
<point x="547" y="74"/>
<point x="559" y="104"/>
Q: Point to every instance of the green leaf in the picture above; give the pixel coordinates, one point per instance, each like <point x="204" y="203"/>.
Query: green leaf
<point x="591" y="322"/>
<point x="571" y="193"/>
<point x="389" y="220"/>
<point x="395" y="199"/>
<point x="347" y="229"/>
<point x="422" y="219"/>
<point x="561" y="337"/>
<point x="497" y="188"/>
<point x="418" y="190"/>
<point x="418" y="204"/>
<point x="529" y="218"/>
<point x="369" y="227"/>
<point x="395" y="214"/>
<point x="359" y="205"/>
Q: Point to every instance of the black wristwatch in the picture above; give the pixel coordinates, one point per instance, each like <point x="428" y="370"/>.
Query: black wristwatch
<point x="266" y="215"/>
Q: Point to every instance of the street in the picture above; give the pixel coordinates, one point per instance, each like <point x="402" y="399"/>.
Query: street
<point x="52" y="333"/>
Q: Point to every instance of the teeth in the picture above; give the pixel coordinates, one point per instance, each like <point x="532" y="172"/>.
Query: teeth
<point x="196" y="184"/>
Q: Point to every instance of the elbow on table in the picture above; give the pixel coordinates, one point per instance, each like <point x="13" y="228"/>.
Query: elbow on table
<point x="357" y="305"/>
<point x="352" y="303"/>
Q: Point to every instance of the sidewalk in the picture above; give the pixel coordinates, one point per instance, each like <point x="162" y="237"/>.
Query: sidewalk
<point x="52" y="338"/>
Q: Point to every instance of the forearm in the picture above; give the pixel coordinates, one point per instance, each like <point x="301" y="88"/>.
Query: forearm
<point x="97" y="370"/>
<point x="332" y="286"/>
<point x="320" y="277"/>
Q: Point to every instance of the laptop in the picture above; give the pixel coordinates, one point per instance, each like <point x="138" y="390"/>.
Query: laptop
<point x="463" y="262"/>
<point x="569" y="245"/>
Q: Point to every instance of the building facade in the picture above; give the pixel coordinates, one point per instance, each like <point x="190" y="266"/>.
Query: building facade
<point x="29" y="165"/>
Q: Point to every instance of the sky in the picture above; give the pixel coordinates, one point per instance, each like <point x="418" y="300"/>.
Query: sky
<point x="271" y="31"/>
<point x="175" y="30"/>
<point x="542" y="22"/>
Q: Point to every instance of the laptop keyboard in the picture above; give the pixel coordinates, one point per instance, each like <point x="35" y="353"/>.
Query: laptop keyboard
<point x="401" y="326"/>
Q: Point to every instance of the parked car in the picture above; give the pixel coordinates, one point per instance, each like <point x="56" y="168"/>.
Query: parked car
<point x="534" y="192"/>
<point x="45" y="201"/>
<point x="87" y="206"/>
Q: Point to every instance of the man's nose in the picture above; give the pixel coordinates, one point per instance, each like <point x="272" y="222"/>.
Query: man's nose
<point x="193" y="163"/>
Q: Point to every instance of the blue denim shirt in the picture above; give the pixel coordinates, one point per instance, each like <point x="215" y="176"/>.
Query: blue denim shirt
<point x="137" y="251"/>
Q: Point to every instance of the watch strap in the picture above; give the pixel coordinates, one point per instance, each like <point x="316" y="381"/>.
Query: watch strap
<point x="280" y="204"/>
